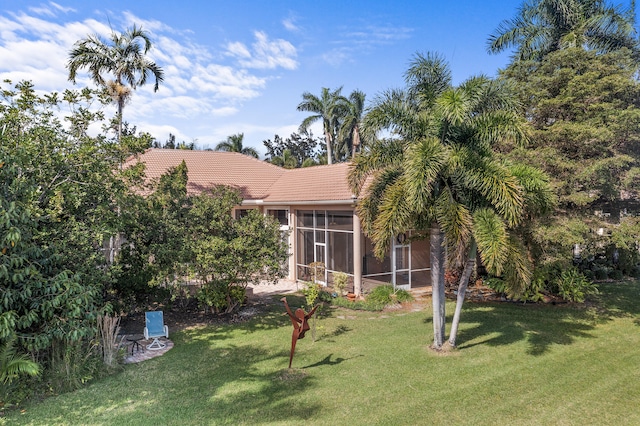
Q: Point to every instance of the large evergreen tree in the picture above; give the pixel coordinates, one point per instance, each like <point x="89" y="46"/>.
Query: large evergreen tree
<point x="584" y="109"/>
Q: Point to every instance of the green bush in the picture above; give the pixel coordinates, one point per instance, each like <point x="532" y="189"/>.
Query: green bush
<point x="600" y="273"/>
<point x="340" y="280"/>
<point x="376" y="300"/>
<point x="616" y="274"/>
<point x="221" y="297"/>
<point x="575" y="287"/>
<point x="386" y="295"/>
<point x="496" y="284"/>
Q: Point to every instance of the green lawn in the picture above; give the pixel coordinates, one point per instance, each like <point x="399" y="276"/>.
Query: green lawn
<point x="515" y="365"/>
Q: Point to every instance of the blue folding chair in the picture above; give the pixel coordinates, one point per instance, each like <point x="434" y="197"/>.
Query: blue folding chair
<point x="154" y="329"/>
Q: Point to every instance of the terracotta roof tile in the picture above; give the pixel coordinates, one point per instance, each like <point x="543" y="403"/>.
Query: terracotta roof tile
<point x="318" y="183"/>
<point x="256" y="179"/>
<point x="208" y="168"/>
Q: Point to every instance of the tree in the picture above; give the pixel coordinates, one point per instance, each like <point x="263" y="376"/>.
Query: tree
<point x="584" y="111"/>
<point x="229" y="253"/>
<point x="302" y="147"/>
<point x="440" y="173"/>
<point x="349" y="135"/>
<point x="175" y="237"/>
<point x="123" y="57"/>
<point x="59" y="190"/>
<point x="234" y="144"/>
<point x="545" y="26"/>
<point x="328" y="108"/>
<point x="287" y="160"/>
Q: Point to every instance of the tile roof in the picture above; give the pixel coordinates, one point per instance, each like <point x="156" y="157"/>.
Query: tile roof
<point x="256" y="179"/>
<point x="318" y="183"/>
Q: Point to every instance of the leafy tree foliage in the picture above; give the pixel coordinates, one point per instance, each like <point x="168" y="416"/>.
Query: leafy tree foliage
<point x="584" y="111"/>
<point x="58" y="203"/>
<point x="178" y="239"/>
<point x="301" y="148"/>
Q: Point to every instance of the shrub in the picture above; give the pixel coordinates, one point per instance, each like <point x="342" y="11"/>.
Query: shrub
<point x="616" y="274"/>
<point x="575" y="287"/>
<point x="340" y="280"/>
<point x="600" y="273"/>
<point x="386" y="295"/>
<point x="221" y="297"/>
<point x="496" y="284"/>
<point x="535" y="291"/>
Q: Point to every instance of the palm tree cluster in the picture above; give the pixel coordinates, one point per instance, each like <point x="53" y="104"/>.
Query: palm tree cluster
<point x="119" y="65"/>
<point x="544" y="26"/>
<point x="340" y="116"/>
<point x="439" y="175"/>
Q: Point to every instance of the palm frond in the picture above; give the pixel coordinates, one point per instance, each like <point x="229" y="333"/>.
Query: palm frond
<point x="539" y="197"/>
<point x="380" y="155"/>
<point x="490" y="233"/>
<point x="456" y="222"/>
<point x="394" y="216"/>
<point x="502" y="190"/>
<point x="423" y="164"/>
<point x="518" y="268"/>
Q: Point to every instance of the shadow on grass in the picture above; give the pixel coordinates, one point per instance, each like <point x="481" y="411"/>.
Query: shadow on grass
<point x="539" y="326"/>
<point x="327" y="361"/>
<point x="619" y="299"/>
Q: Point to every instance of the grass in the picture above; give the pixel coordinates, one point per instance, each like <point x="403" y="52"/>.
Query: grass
<point x="516" y="364"/>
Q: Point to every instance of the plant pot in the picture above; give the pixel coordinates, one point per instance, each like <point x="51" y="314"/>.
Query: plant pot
<point x="351" y="297"/>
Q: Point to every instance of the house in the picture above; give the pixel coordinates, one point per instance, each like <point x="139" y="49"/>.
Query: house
<point x="316" y="211"/>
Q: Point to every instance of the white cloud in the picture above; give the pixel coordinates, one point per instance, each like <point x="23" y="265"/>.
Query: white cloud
<point x="50" y="9"/>
<point x="289" y="25"/>
<point x="224" y="111"/>
<point x="201" y="90"/>
<point x="264" y="53"/>
<point x="364" y="40"/>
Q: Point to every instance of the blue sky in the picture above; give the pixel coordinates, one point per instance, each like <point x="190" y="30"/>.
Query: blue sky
<point x="242" y="66"/>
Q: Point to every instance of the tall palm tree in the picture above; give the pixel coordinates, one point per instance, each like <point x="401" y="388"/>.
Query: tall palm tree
<point x="544" y="26"/>
<point x="119" y="64"/>
<point x="328" y="108"/>
<point x="234" y="144"/>
<point x="439" y="174"/>
<point x="349" y="135"/>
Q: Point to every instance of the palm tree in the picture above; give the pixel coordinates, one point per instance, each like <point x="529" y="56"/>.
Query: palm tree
<point x="349" y="135"/>
<point x="439" y="174"/>
<point x="544" y="26"/>
<point x="286" y="160"/>
<point x="234" y="144"/>
<point x="328" y="108"/>
<point x="119" y="65"/>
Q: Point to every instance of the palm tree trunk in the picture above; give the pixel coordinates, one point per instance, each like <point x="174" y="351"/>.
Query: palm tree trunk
<point x="327" y="137"/>
<point x="120" y="108"/>
<point x="462" y="290"/>
<point x="437" y="284"/>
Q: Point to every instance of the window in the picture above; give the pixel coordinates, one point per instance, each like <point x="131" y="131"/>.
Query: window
<point x="282" y="216"/>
